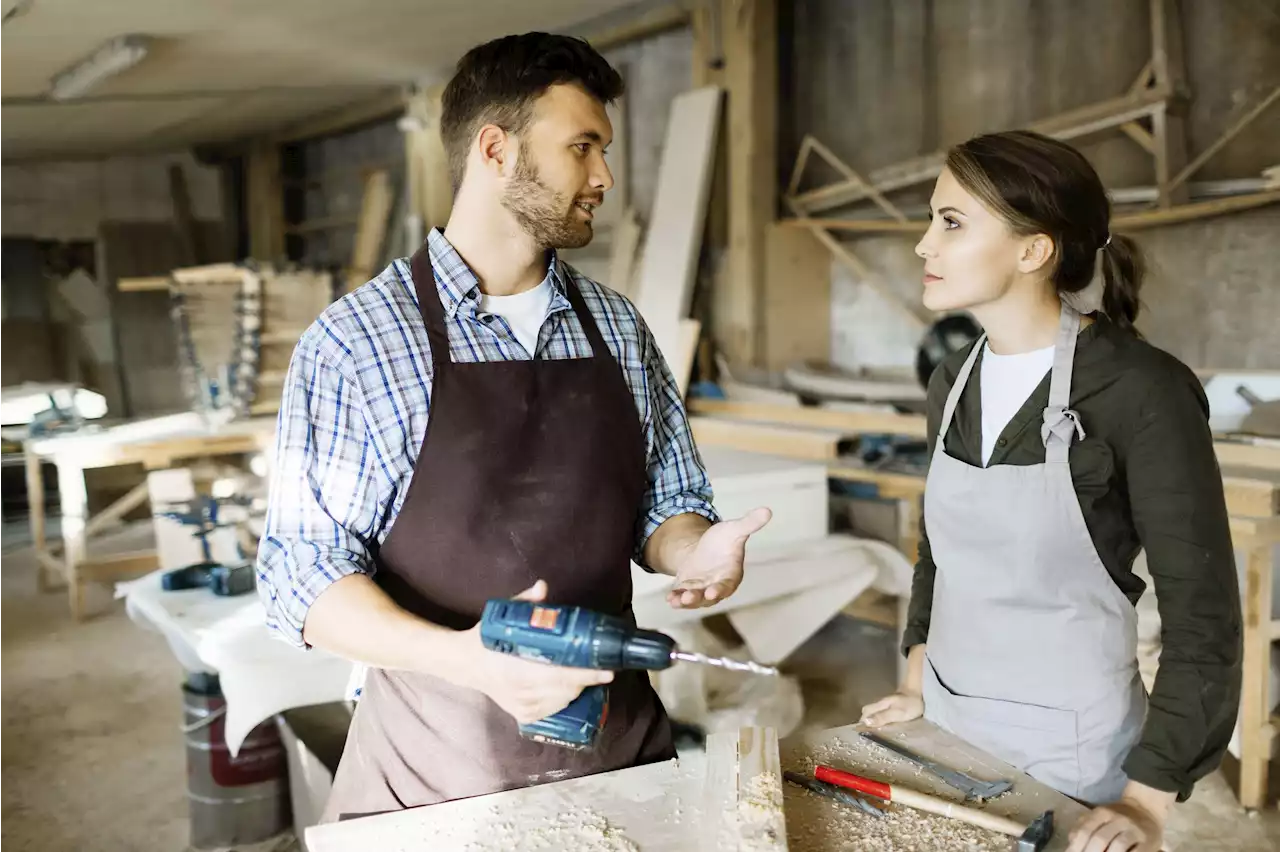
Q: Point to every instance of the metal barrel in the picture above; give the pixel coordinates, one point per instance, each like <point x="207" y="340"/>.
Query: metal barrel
<point x="231" y="800"/>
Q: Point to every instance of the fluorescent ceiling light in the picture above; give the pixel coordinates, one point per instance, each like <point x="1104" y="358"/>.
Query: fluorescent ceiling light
<point x="111" y="58"/>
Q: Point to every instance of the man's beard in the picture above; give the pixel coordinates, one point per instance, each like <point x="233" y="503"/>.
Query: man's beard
<point x="549" y="218"/>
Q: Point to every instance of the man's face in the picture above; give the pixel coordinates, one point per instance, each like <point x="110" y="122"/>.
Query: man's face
<point x="560" y="175"/>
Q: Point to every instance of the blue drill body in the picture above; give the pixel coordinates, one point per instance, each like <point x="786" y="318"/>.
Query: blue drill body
<point x="578" y="638"/>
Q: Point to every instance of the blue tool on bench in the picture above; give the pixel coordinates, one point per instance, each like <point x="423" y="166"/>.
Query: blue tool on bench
<point x="219" y="578"/>
<point x="581" y="638"/>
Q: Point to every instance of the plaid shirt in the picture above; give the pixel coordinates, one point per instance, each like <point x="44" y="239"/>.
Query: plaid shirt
<point x="355" y="406"/>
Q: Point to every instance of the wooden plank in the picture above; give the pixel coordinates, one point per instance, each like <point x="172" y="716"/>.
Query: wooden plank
<point x="682" y="362"/>
<point x="844" y="422"/>
<point x="1132" y="129"/>
<point x="111" y="515"/>
<point x="1248" y="454"/>
<point x="625" y="242"/>
<point x="845" y="169"/>
<point x="1168" y="125"/>
<point x="892" y="486"/>
<point x="796" y="320"/>
<point x="913" y="311"/>
<point x="124" y="566"/>
<point x="1076" y="123"/>
<point x="874" y="607"/>
<point x="1251" y="492"/>
<point x="857" y="226"/>
<point x="371" y="228"/>
<point x="1255" y="710"/>
<point x="791" y="442"/>
<point x="743" y="801"/>
<point x="750" y="39"/>
<point x="143" y="284"/>
<point x="669" y="264"/>
<point x="264" y="201"/>
<point x="34" y="472"/>
<point x="1195" y="210"/>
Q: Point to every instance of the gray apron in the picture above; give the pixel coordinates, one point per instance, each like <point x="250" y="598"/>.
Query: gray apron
<point x="1032" y="649"/>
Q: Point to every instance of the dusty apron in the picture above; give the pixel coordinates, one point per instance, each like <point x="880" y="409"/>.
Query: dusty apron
<point x="1032" y="646"/>
<point x="528" y="470"/>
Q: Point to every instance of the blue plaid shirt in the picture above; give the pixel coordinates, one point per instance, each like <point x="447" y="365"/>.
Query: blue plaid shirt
<point x="355" y="406"/>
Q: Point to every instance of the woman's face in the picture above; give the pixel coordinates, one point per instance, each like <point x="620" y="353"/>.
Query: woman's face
<point x="971" y="256"/>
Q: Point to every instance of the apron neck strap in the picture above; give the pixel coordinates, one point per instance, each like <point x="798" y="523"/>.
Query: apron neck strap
<point x="1060" y="422"/>
<point x="953" y="398"/>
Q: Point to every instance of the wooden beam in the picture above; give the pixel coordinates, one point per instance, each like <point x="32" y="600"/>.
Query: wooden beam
<point x="377" y="106"/>
<point x="1068" y="125"/>
<point x="264" y="202"/>
<point x="1195" y="210"/>
<point x="371" y="229"/>
<point x="788" y="441"/>
<point x="749" y="31"/>
<point x="141" y="285"/>
<point x="1227" y="135"/>
<point x="845" y="169"/>
<point x="1168" y="127"/>
<point x="859" y="226"/>
<point x="651" y="23"/>
<point x="1132" y="129"/>
<point x="813" y="417"/>
<point x="915" y="311"/>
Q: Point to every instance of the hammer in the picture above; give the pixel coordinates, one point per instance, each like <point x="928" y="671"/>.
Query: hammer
<point x="1037" y="835"/>
<point x="1031" y="838"/>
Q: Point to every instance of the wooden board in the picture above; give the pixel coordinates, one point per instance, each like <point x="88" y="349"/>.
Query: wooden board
<point x="793" y="442"/>
<point x="837" y="825"/>
<point x="816" y="417"/>
<point x="669" y="264"/>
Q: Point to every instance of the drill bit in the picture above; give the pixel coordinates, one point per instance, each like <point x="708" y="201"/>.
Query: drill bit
<point x="725" y="663"/>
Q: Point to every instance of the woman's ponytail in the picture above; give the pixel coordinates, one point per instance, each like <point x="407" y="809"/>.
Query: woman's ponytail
<point x="1123" y="268"/>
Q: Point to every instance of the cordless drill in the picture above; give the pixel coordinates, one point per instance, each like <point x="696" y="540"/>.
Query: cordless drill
<point x="581" y="638"/>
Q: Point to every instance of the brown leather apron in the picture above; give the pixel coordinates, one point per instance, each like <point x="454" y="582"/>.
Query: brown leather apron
<point x="528" y="470"/>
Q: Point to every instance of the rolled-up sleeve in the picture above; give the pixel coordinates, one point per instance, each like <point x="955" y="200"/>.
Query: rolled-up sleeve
<point x="323" y="502"/>
<point x="678" y="482"/>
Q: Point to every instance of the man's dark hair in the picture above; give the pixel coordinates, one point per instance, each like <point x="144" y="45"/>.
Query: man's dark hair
<point x="498" y="82"/>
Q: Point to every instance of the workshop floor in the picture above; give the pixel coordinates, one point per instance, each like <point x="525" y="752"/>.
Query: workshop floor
<point x="93" y="760"/>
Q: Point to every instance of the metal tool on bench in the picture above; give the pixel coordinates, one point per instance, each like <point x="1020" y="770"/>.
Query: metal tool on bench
<point x="839" y="794"/>
<point x="581" y="638"/>
<point x="221" y="579"/>
<point x="973" y="788"/>
<point x="1037" y="834"/>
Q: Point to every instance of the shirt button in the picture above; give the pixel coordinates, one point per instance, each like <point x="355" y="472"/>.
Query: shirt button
<point x="487" y="318"/>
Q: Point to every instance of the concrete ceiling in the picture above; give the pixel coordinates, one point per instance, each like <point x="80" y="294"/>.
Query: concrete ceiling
<point x="221" y="70"/>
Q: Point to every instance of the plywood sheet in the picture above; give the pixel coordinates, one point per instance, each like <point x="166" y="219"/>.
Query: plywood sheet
<point x="669" y="264"/>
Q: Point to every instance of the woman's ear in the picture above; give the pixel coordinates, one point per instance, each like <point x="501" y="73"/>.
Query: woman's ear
<point x="1037" y="252"/>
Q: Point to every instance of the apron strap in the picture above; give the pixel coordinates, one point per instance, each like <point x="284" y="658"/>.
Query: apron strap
<point x="953" y="398"/>
<point x="424" y="284"/>
<point x="588" y="322"/>
<point x="1061" y="424"/>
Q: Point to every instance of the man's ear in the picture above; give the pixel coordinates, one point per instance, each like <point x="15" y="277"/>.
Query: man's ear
<point x="496" y="148"/>
<point x="1037" y="252"/>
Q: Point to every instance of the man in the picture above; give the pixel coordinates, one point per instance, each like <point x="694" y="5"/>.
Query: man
<point x="482" y="421"/>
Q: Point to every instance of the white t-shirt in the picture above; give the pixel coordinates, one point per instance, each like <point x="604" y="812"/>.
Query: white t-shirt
<point x="524" y="312"/>
<point x="1007" y="382"/>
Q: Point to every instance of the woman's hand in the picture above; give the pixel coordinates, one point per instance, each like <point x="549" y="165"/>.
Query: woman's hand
<point x="902" y="706"/>
<point x="1133" y="824"/>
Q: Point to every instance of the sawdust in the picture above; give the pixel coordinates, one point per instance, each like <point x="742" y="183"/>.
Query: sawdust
<point x="577" y="828"/>
<point x="756" y="823"/>
<point x="818" y="824"/>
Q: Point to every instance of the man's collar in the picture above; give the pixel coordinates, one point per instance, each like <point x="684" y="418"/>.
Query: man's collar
<point x="459" y="286"/>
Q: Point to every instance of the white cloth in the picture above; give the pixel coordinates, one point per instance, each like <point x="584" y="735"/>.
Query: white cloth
<point x="1007" y="381"/>
<point x="524" y="312"/>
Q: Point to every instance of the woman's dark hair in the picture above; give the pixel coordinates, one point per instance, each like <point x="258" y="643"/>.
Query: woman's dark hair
<point x="1042" y="186"/>
<point x="499" y="81"/>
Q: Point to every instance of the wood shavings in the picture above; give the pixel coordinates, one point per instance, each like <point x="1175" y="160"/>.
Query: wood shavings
<point x="577" y="828"/>
<point x="757" y="823"/>
<point x="818" y="824"/>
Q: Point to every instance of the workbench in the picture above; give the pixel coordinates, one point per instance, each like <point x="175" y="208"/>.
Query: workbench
<point x="1250" y="468"/>
<point x="696" y="803"/>
<point x="154" y="444"/>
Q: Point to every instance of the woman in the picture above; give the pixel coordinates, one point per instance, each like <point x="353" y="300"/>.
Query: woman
<point x="1062" y="444"/>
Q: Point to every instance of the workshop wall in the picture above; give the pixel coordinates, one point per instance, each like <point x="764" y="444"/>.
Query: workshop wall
<point x="67" y="201"/>
<point x="880" y="81"/>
